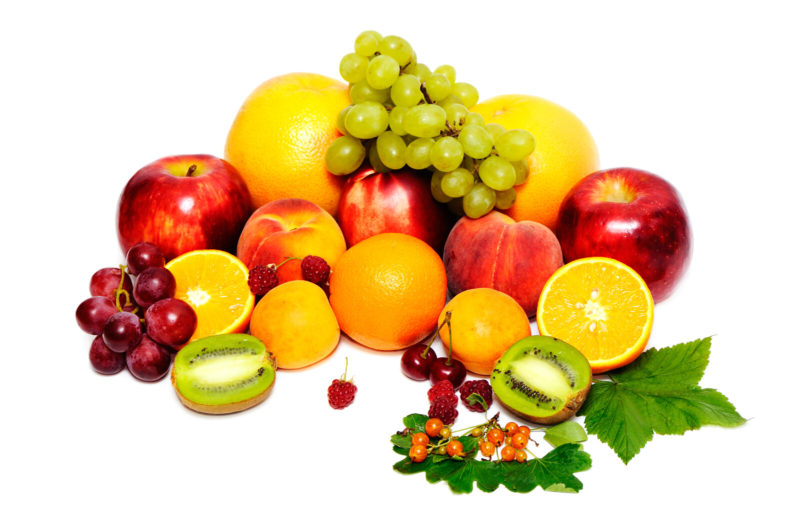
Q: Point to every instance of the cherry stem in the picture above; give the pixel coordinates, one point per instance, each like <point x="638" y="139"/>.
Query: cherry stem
<point x="191" y="170"/>
<point x="450" y="343"/>
<point x="445" y="321"/>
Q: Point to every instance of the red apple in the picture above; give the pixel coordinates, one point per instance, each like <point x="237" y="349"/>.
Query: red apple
<point x="630" y="215"/>
<point x="494" y="251"/>
<point x="184" y="203"/>
<point x="392" y="202"/>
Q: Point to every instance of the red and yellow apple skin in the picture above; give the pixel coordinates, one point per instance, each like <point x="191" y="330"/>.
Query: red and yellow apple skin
<point x="630" y="215"/>
<point x="392" y="202"/>
<point x="181" y="210"/>
<point x="289" y="227"/>
<point x="494" y="251"/>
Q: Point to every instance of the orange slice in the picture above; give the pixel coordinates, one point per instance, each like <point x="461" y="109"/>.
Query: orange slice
<point x="214" y="283"/>
<point x="601" y="307"/>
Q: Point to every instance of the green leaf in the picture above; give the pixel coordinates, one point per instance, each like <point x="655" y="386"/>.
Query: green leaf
<point x="415" y="422"/>
<point x="476" y="398"/>
<point x="566" y="432"/>
<point x="658" y="393"/>
<point x="555" y="471"/>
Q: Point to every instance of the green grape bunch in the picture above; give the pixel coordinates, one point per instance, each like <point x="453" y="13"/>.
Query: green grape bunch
<point x="404" y="114"/>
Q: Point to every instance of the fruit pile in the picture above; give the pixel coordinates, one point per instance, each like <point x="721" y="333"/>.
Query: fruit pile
<point x="314" y="227"/>
<point x="403" y="114"/>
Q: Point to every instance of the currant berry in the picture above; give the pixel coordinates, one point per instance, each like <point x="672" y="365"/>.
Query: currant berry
<point x="418" y="453"/>
<point x="508" y="453"/>
<point x="433" y="427"/>
<point x="521" y="456"/>
<point x="523" y="429"/>
<point x="477" y="432"/>
<point x="496" y="436"/>
<point x="519" y="441"/>
<point x="446" y="432"/>
<point x="486" y="448"/>
<point x="511" y="428"/>
<point x="420" y="438"/>
<point x="455" y="448"/>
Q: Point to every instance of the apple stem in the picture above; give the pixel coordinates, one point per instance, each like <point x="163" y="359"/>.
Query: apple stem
<point x="191" y="170"/>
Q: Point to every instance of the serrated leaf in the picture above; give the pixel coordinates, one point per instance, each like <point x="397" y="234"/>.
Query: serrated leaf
<point x="658" y="393"/>
<point x="566" y="432"/>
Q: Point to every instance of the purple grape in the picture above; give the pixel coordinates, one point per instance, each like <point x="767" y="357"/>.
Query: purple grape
<point x="122" y="331"/>
<point x="170" y="322"/>
<point x="103" y="359"/>
<point x="106" y="280"/>
<point x="148" y="361"/>
<point x="93" y="313"/>
<point x="153" y="284"/>
<point x="143" y="255"/>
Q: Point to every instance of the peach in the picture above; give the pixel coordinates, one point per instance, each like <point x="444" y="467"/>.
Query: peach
<point x="289" y="227"/>
<point x="496" y="252"/>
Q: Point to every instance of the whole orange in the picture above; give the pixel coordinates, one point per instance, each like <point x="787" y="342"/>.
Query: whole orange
<point x="296" y="323"/>
<point x="565" y="152"/>
<point x="484" y="324"/>
<point x="279" y="138"/>
<point x="387" y="291"/>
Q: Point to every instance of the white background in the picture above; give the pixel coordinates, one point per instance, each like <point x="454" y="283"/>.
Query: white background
<point x="704" y="95"/>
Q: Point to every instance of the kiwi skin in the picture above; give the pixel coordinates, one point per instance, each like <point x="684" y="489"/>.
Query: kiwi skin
<point x="226" y="408"/>
<point x="572" y="403"/>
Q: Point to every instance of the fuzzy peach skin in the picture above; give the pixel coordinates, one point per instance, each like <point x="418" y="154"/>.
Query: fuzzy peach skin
<point x="289" y="227"/>
<point x="494" y="251"/>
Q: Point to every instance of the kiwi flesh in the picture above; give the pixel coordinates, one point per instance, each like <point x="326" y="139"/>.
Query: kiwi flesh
<point x="542" y="379"/>
<point x="223" y="374"/>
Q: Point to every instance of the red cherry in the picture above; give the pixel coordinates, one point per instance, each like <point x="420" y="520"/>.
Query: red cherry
<point x="416" y="362"/>
<point x="451" y="370"/>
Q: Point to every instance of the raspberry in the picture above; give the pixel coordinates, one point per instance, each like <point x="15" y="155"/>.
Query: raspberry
<point x="442" y="408"/>
<point x="315" y="269"/>
<point x="262" y="279"/>
<point x="480" y="387"/>
<point x="442" y="389"/>
<point x="341" y="393"/>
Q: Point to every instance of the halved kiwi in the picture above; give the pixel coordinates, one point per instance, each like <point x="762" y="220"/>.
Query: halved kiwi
<point x="542" y="379"/>
<point x="223" y="374"/>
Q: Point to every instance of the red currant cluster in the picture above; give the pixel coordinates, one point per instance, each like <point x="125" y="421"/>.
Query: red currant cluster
<point x="123" y="338"/>
<point x="263" y="278"/>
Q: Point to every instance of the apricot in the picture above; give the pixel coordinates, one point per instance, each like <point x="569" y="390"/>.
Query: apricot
<point x="296" y="323"/>
<point x="496" y="252"/>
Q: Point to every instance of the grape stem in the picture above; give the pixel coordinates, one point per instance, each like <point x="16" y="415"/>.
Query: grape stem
<point x="119" y="291"/>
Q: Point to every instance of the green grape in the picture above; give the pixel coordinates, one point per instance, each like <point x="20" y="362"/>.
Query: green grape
<point x="362" y="92"/>
<point x="425" y="120"/>
<point x="366" y="120"/>
<point x="456" y="114"/>
<point x="474" y="119"/>
<point x="495" y="130"/>
<point x="344" y="155"/>
<point x="447" y="154"/>
<point x="353" y="67"/>
<point x="467" y="93"/>
<point x="495" y="172"/>
<point x="382" y="72"/>
<point x="450" y="100"/>
<point x="420" y="70"/>
<point x="391" y="149"/>
<point x="521" y="169"/>
<point x="406" y="91"/>
<point x="340" y="120"/>
<point x="479" y="200"/>
<point x="396" y="119"/>
<point x="515" y="144"/>
<point x="367" y="43"/>
<point x="436" y="188"/>
<point x="469" y="164"/>
<point x="476" y="141"/>
<point x="418" y="153"/>
<point x="437" y="86"/>
<point x="448" y="71"/>
<point x="374" y="159"/>
<point x="505" y="198"/>
<point x="457" y="183"/>
<point x="396" y="48"/>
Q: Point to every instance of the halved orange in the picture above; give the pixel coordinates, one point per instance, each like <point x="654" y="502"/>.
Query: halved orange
<point x="214" y="283"/>
<point x="601" y="307"/>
